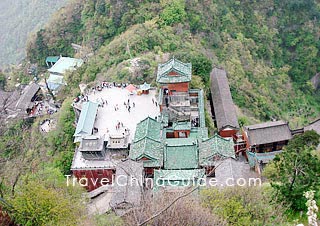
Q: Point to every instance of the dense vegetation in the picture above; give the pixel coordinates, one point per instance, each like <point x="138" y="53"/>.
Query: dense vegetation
<point x="269" y="48"/>
<point x="17" y="20"/>
<point x="296" y="170"/>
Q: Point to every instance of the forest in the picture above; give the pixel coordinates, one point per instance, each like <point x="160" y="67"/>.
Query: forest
<point x="17" y="21"/>
<point x="270" y="50"/>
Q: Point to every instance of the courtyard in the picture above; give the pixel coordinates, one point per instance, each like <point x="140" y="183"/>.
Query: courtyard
<point x="114" y="110"/>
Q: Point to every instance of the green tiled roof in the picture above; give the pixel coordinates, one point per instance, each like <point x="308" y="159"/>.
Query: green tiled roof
<point x="86" y="119"/>
<point x="64" y="64"/>
<point x="261" y="157"/>
<point x="148" y="148"/>
<point x="215" y="146"/>
<point x="181" y="153"/>
<point x="52" y="59"/>
<point x="177" y="177"/>
<point x="183" y="70"/>
<point x="198" y="132"/>
<point x="145" y="86"/>
<point x="182" y="125"/>
<point x="148" y="127"/>
<point x="55" y="81"/>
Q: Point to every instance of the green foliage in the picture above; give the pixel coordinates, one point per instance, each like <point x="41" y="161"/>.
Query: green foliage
<point x="12" y="138"/>
<point x="108" y="219"/>
<point x="57" y="37"/>
<point x="243" y="205"/>
<point x="209" y="123"/>
<point x="243" y="121"/>
<point x="196" y="82"/>
<point x="61" y="140"/>
<point x="18" y="21"/>
<point x="44" y="199"/>
<point x="296" y="170"/>
<point x="2" y="80"/>
<point x="173" y="12"/>
<point x="261" y="56"/>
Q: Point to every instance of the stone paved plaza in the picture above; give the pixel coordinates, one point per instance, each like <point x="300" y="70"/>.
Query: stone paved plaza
<point x="108" y="117"/>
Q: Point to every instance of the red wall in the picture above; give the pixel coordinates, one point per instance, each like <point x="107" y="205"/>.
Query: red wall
<point x="179" y="87"/>
<point x="94" y="174"/>
<point x="149" y="171"/>
<point x="176" y="133"/>
<point x="228" y="133"/>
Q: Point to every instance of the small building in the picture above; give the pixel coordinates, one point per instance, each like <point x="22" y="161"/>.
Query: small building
<point x="51" y="60"/>
<point x="214" y="150"/>
<point x="147" y="146"/>
<point x="26" y="102"/>
<point x="118" y="141"/>
<point x="57" y="71"/>
<point x="91" y="163"/>
<point x="127" y="191"/>
<point x="223" y="106"/>
<point x="65" y="64"/>
<point x="174" y="76"/>
<point x="55" y="82"/>
<point x="267" y="137"/>
<point x="92" y="148"/>
<point x="145" y="88"/>
<point x="257" y="160"/>
<point x="264" y="141"/>
<point x="86" y="120"/>
<point x="118" y="145"/>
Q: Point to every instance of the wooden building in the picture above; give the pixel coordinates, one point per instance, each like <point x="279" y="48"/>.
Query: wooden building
<point x="174" y="77"/>
<point x="213" y="150"/>
<point x="264" y="141"/>
<point x="29" y="96"/>
<point x="223" y="106"/>
<point x="86" y="120"/>
<point x="267" y="137"/>
<point x="147" y="146"/>
<point x="92" y="161"/>
<point x="145" y="87"/>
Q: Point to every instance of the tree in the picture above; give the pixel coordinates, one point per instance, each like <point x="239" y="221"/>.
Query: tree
<point x="173" y="12"/>
<point x="44" y="199"/>
<point x="243" y="205"/>
<point x="296" y="170"/>
<point x="2" y="81"/>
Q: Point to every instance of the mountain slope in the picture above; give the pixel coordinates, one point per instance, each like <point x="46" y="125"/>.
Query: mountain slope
<point x="269" y="54"/>
<point x="17" y="20"/>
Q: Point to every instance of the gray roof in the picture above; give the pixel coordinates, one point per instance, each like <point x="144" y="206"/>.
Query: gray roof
<point x="224" y="108"/>
<point x="8" y="100"/>
<point x="268" y="132"/>
<point x="125" y="197"/>
<point x="315" y="125"/>
<point x="91" y="143"/>
<point x="28" y="93"/>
